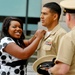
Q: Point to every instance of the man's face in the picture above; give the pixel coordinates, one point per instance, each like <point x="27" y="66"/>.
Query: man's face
<point x="46" y="17"/>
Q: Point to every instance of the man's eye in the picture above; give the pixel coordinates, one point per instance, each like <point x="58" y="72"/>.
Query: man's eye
<point x="45" y="13"/>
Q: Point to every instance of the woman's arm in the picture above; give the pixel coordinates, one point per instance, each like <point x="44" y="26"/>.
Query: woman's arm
<point x="28" y="42"/>
<point x="25" y="53"/>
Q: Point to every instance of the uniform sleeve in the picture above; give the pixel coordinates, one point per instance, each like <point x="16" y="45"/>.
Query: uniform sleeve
<point x="60" y="33"/>
<point x="65" y="51"/>
<point x="5" y="41"/>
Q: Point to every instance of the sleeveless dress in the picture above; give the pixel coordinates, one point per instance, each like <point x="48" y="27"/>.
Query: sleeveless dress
<point x="5" y="59"/>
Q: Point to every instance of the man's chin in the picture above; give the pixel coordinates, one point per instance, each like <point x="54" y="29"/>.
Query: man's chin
<point x="43" y="25"/>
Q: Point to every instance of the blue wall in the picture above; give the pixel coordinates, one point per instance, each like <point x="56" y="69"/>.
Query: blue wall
<point x="12" y="7"/>
<point x="34" y="8"/>
<point x="18" y="8"/>
<point x="0" y="26"/>
<point x="32" y="27"/>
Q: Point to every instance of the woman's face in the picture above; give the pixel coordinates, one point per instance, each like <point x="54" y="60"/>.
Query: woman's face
<point x="15" y="29"/>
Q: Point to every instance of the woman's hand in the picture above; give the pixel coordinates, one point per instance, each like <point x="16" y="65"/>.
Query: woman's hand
<point x="40" y="33"/>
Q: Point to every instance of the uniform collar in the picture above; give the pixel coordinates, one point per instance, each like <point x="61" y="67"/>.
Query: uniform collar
<point x="56" y="28"/>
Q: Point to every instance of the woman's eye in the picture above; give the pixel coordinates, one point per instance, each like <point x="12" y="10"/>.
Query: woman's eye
<point x="20" y="27"/>
<point x="14" y="26"/>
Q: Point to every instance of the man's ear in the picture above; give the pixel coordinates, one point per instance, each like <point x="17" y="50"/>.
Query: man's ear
<point x="55" y="16"/>
<point x="68" y="17"/>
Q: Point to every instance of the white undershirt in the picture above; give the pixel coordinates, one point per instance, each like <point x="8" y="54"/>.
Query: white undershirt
<point x="47" y="33"/>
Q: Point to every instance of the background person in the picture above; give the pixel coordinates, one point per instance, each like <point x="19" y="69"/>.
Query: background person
<point x="14" y="49"/>
<point x="65" y="61"/>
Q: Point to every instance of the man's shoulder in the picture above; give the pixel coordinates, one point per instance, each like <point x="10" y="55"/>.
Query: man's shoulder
<point x="61" y="30"/>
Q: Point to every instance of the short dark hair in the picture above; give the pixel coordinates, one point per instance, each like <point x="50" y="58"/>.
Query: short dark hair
<point x="53" y="6"/>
